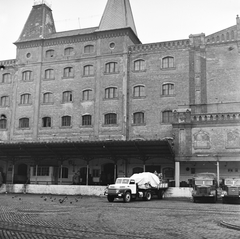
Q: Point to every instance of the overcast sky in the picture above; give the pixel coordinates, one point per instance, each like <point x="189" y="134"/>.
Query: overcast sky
<point x="155" y="20"/>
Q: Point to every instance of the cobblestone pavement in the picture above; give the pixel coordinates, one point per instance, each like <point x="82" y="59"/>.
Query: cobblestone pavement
<point x="57" y="217"/>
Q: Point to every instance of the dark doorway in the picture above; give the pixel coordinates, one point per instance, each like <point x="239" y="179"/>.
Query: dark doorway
<point x="22" y="174"/>
<point x="153" y="168"/>
<point x="107" y="175"/>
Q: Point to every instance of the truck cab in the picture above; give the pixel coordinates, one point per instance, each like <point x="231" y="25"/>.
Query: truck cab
<point x="204" y="187"/>
<point x="125" y="188"/>
<point x="231" y="190"/>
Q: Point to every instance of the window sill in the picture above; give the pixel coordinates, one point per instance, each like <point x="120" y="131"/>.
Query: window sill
<point x="110" y="125"/>
<point x="47" y="128"/>
<point x="5" y="83"/>
<point x="24" y="104"/>
<point x="111" y="73"/>
<point x="69" y="102"/>
<point x="50" y="103"/>
<point x="4" y="106"/>
<point x="48" y="79"/>
<point x="142" y="124"/>
<point x="27" y="80"/>
<point x="168" y="69"/>
<point x="139" y="97"/>
<point x="139" y="71"/>
<point x="65" y="127"/>
<point x="27" y="128"/>
<point x="6" y="129"/>
<point x="67" y="77"/>
<point x="86" y="126"/>
<point x="115" y="98"/>
<point x="163" y="96"/>
<point x="86" y="76"/>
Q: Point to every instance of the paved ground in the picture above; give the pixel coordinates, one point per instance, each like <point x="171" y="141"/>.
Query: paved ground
<point x="47" y="217"/>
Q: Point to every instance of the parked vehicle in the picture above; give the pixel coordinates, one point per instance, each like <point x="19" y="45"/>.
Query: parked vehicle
<point x="231" y="190"/>
<point x="141" y="185"/>
<point x="204" y="187"/>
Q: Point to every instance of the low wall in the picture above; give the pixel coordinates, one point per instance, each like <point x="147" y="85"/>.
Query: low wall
<point x="77" y="190"/>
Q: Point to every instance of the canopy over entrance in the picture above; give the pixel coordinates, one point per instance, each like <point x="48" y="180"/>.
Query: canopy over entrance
<point x="87" y="149"/>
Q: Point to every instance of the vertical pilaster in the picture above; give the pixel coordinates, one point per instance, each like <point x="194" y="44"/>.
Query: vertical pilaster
<point x="177" y="174"/>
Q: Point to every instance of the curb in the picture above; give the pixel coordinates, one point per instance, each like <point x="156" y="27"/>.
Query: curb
<point x="231" y="226"/>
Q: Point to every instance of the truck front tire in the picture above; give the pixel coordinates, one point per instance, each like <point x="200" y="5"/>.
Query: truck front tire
<point x="110" y="198"/>
<point x="127" y="197"/>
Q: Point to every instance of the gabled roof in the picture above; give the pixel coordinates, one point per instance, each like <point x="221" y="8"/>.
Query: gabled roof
<point x="117" y="14"/>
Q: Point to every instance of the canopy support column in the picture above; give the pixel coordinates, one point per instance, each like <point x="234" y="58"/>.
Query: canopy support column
<point x="177" y="174"/>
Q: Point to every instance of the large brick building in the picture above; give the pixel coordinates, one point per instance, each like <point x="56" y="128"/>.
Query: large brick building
<point x="101" y="90"/>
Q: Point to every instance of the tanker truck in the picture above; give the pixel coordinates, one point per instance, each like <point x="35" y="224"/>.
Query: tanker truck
<point x="140" y="185"/>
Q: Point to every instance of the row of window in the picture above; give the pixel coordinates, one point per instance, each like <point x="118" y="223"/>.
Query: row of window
<point x="67" y="96"/>
<point x="88" y="70"/>
<point x="66" y="121"/>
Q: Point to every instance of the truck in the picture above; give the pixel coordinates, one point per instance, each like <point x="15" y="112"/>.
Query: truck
<point x="140" y="185"/>
<point x="205" y="187"/>
<point x="231" y="190"/>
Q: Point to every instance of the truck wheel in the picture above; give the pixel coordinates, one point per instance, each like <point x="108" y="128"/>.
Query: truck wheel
<point x="148" y="196"/>
<point x="127" y="197"/>
<point x="160" y="194"/>
<point x="110" y="198"/>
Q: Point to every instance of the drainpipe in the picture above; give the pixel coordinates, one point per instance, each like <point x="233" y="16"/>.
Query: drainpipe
<point x="13" y="172"/>
<point x="87" y="174"/>
<point x="218" y="174"/>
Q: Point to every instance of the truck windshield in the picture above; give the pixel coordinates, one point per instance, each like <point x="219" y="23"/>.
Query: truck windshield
<point x="203" y="182"/>
<point x="237" y="182"/>
<point x="122" y="181"/>
<point x="229" y="182"/>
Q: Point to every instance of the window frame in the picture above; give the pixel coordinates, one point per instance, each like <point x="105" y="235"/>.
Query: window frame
<point x="27" y="76"/>
<point x="111" y="67"/>
<point x="66" y="121"/>
<point x="167" y="117"/>
<point x="87" y="95"/>
<point x="68" y="72"/>
<point x="88" y="70"/>
<point x="111" y="93"/>
<point x="25" y="99"/>
<point x="139" y="118"/>
<point x="3" y="122"/>
<point x="67" y="97"/>
<point x="69" y="51"/>
<point x="46" y="122"/>
<point x="24" y="123"/>
<point x="168" y="91"/>
<point x="87" y="120"/>
<point x="110" y="119"/>
<point x="168" y="62"/>
<point x="88" y="49"/>
<point x="6" y="78"/>
<point x="139" y="91"/>
<point x="5" y="102"/>
<point x="48" y="98"/>
<point x="49" y="74"/>
<point x="49" y="53"/>
<point x="139" y="65"/>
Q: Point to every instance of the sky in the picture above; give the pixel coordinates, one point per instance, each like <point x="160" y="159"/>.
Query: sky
<point x="155" y="20"/>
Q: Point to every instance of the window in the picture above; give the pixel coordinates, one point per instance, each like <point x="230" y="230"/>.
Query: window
<point x="111" y="67"/>
<point x="111" y="93"/>
<point x="27" y="76"/>
<point x="88" y="70"/>
<point x="87" y="95"/>
<point x="96" y="173"/>
<point x="67" y="97"/>
<point x="138" y="118"/>
<point x="6" y="78"/>
<point x="47" y="98"/>
<point x="23" y="123"/>
<point x="41" y="171"/>
<point x="139" y="65"/>
<point x="139" y="91"/>
<point x="68" y="72"/>
<point x="49" y="74"/>
<point x="66" y="121"/>
<point x="110" y="119"/>
<point x="64" y="172"/>
<point x="89" y="49"/>
<point x="68" y="51"/>
<point x="49" y="53"/>
<point x="46" y="122"/>
<point x="168" y="62"/>
<point x="168" y="89"/>
<point x="25" y="99"/>
<point x="3" y="122"/>
<point x="86" y="120"/>
<point x="167" y="116"/>
<point x="5" y="101"/>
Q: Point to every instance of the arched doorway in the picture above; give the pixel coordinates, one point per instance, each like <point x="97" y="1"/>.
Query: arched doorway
<point x="22" y="173"/>
<point x="107" y="175"/>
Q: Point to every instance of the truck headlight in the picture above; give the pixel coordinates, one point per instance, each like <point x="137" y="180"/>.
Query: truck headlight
<point x="213" y="192"/>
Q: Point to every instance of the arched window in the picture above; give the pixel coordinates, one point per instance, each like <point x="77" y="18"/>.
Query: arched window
<point x="168" y="89"/>
<point x="111" y="93"/>
<point x="88" y="70"/>
<point x="68" y="72"/>
<point x="3" y="122"/>
<point x="5" y="101"/>
<point x="138" y="118"/>
<point x="67" y="97"/>
<point x="6" y="78"/>
<point x="23" y="123"/>
<point x="49" y="74"/>
<point x="47" y="98"/>
<point x="89" y="49"/>
<point x="87" y="95"/>
<point x="111" y="67"/>
<point x="64" y="172"/>
<point x="167" y="62"/>
<point x="167" y="116"/>
<point x="66" y="121"/>
<point x="110" y="119"/>
<point x="49" y="53"/>
<point x="27" y="76"/>
<point x="68" y="51"/>
<point x="139" y="65"/>
<point x="218" y="38"/>
<point x="25" y="99"/>
<point x="86" y="120"/>
<point x="232" y="35"/>
<point x="46" y="122"/>
<point x="223" y="37"/>
<point x="139" y="91"/>
<point x="227" y="36"/>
